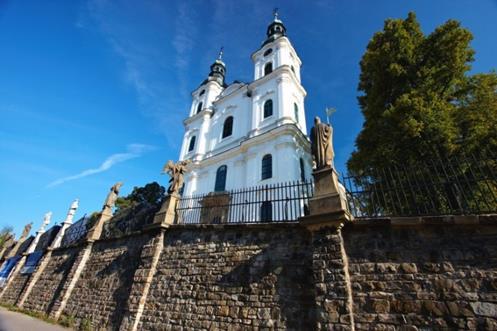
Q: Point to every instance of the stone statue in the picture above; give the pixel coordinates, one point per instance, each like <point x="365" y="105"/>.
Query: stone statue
<point x="112" y="196"/>
<point x="321" y="144"/>
<point x="26" y="230"/>
<point x="46" y="221"/>
<point x="176" y="171"/>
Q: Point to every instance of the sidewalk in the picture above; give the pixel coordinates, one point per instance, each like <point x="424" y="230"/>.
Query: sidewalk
<point x="11" y="321"/>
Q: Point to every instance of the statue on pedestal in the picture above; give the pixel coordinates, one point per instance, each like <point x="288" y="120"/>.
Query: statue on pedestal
<point x="112" y="196"/>
<point x="176" y="171"/>
<point x="321" y="144"/>
<point x="26" y="230"/>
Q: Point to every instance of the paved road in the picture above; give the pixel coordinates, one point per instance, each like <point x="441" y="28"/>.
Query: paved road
<point x="10" y="321"/>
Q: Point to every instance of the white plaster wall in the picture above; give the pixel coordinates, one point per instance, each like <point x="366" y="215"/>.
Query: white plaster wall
<point x="245" y="168"/>
<point x="246" y="104"/>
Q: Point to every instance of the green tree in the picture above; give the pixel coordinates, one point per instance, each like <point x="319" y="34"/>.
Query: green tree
<point x="5" y="234"/>
<point x="418" y="100"/>
<point x="152" y="193"/>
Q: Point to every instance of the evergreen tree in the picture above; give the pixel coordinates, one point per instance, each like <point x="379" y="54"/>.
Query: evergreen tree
<point x="418" y="100"/>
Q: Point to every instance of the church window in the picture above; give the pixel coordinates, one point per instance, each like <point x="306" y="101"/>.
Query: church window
<point x="302" y="170"/>
<point x="202" y="93"/>
<point x="228" y="127"/>
<point x="199" y="107"/>
<point x="268" y="68"/>
<point x="296" y="112"/>
<point x="267" y="167"/>
<point x="268" y="108"/>
<point x="269" y="51"/>
<point x="293" y="69"/>
<point x="221" y="179"/>
<point x="266" y="211"/>
<point x="192" y="144"/>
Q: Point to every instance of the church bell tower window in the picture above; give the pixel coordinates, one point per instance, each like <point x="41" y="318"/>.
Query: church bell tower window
<point x="191" y="146"/>
<point x="268" y="108"/>
<point x="268" y="68"/>
<point x="199" y="107"/>
<point x="228" y="127"/>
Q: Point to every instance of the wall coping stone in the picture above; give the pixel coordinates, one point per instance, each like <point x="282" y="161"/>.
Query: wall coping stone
<point x="237" y="226"/>
<point x="444" y="220"/>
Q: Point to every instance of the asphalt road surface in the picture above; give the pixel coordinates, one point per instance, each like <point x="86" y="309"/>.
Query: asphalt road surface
<point x="10" y="321"/>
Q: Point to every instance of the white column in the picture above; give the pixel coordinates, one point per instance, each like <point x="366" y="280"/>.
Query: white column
<point x="46" y="220"/>
<point x="67" y="223"/>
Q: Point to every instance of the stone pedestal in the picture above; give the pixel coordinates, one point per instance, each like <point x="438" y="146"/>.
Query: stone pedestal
<point x="96" y="231"/>
<point x="328" y="206"/>
<point x="215" y="208"/>
<point x="167" y="213"/>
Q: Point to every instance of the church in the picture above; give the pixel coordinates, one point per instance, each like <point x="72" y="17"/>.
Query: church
<point x="243" y="135"/>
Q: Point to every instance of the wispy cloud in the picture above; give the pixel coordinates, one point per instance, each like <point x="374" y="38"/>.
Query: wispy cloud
<point x="156" y="74"/>
<point x="133" y="151"/>
<point x="185" y="31"/>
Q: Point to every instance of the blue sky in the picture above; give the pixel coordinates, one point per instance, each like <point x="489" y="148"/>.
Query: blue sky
<point x="93" y="92"/>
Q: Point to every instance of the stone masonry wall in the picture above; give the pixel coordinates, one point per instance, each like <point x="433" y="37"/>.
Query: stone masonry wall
<point x="232" y="277"/>
<point x="101" y="293"/>
<point x="15" y="288"/>
<point x="371" y="275"/>
<point x="424" y="277"/>
<point x="49" y="287"/>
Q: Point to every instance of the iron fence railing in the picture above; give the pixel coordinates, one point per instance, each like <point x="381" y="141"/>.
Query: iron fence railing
<point x="462" y="185"/>
<point x="281" y="202"/>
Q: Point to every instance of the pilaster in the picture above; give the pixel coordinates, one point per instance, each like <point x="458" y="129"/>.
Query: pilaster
<point x="142" y="280"/>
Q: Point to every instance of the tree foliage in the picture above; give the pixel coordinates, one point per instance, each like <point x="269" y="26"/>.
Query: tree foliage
<point x="5" y="234"/>
<point x="418" y="99"/>
<point x="152" y="193"/>
<point x="420" y="104"/>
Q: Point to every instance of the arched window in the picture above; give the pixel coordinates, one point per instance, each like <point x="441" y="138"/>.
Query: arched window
<point x="268" y="68"/>
<point x="228" y="127"/>
<point x="302" y="170"/>
<point x="221" y="179"/>
<point x="199" y="107"/>
<point x="191" y="146"/>
<point x="296" y="112"/>
<point x="202" y="92"/>
<point x="269" y="51"/>
<point x="268" y="108"/>
<point x="266" y="211"/>
<point x="293" y="69"/>
<point x="267" y="167"/>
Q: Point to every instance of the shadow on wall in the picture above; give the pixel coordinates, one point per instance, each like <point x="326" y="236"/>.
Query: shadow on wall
<point x="122" y="292"/>
<point x="65" y="270"/>
<point x="284" y="274"/>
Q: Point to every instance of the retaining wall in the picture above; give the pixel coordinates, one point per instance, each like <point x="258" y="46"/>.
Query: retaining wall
<point x="436" y="274"/>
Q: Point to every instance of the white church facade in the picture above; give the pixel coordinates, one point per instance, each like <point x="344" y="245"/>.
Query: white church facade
<point x="249" y="134"/>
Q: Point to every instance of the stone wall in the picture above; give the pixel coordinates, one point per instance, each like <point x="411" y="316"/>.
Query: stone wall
<point x="102" y="290"/>
<point x="15" y="288"/>
<point x="237" y="277"/>
<point x="51" y="285"/>
<point x="432" y="276"/>
<point x="439" y="274"/>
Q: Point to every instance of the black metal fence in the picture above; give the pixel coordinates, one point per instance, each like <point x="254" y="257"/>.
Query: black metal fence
<point x="460" y="185"/>
<point x="282" y="202"/>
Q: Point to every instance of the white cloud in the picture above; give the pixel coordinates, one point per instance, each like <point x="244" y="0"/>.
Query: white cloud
<point x="133" y="151"/>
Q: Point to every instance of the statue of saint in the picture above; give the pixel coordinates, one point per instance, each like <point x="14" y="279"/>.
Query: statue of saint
<point x="112" y="196"/>
<point x="321" y="144"/>
<point x="26" y="230"/>
<point x="176" y="171"/>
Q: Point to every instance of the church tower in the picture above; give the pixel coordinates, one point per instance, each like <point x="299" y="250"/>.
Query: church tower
<point x="249" y="134"/>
